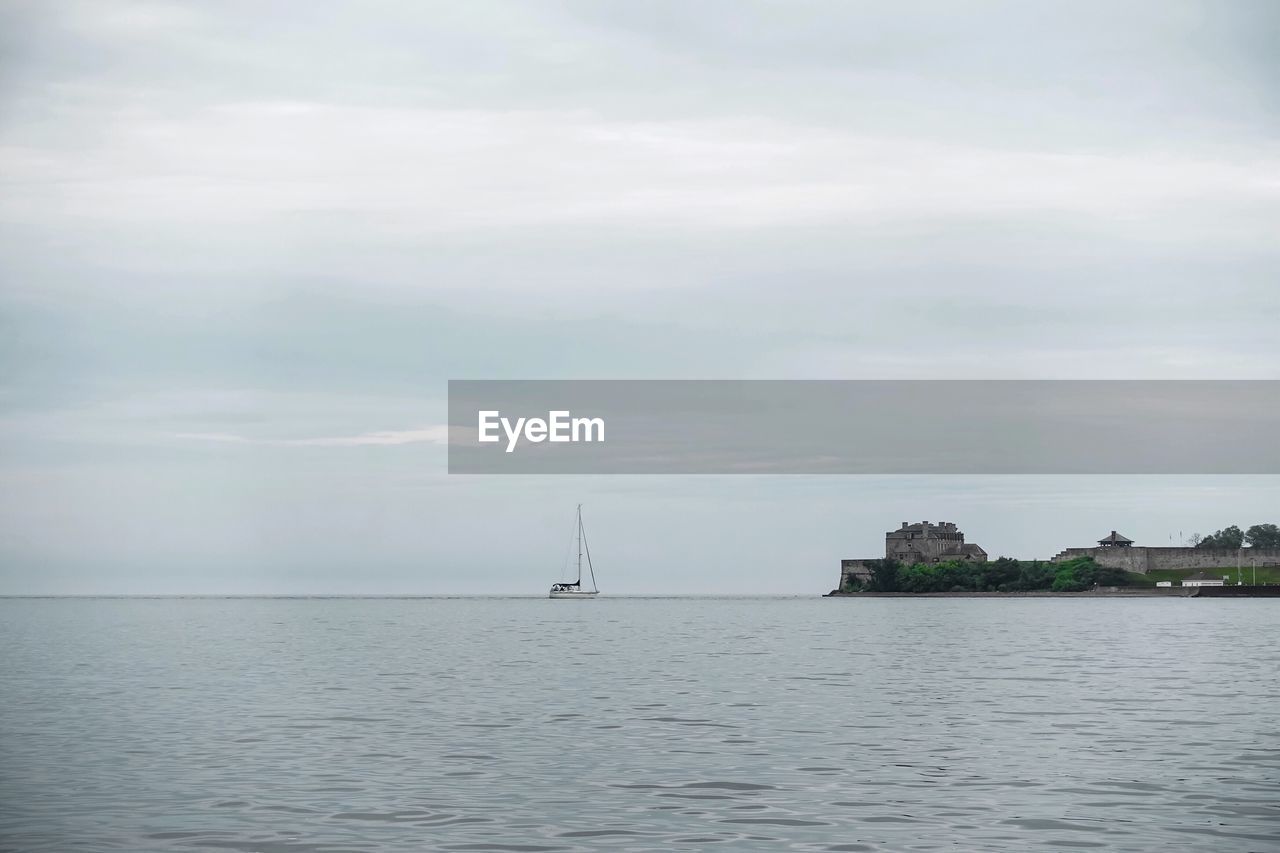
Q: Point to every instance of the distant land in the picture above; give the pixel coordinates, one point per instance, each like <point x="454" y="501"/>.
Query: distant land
<point x="933" y="559"/>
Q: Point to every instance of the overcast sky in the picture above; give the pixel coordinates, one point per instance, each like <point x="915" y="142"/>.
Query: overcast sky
<point x="243" y="247"/>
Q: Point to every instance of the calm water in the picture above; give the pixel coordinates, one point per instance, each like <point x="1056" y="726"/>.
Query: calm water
<point x="519" y="724"/>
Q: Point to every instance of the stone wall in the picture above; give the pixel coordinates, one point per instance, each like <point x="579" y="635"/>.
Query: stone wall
<point x="850" y="569"/>
<point x="1142" y="560"/>
<point x="1130" y="559"/>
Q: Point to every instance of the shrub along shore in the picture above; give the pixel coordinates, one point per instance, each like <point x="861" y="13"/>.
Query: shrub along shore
<point x="1001" y="575"/>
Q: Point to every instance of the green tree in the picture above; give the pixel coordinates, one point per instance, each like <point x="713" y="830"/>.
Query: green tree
<point x="957" y="576"/>
<point x="1084" y="573"/>
<point x="1263" y="536"/>
<point x="918" y="577"/>
<point x="998" y="574"/>
<point x="1004" y="574"/>
<point x="1227" y="537"/>
<point x="884" y="575"/>
<point x="1033" y="575"/>
<point x="947" y="576"/>
<point x="1065" y="580"/>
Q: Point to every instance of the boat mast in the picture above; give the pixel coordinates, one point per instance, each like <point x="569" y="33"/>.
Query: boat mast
<point x="579" y="544"/>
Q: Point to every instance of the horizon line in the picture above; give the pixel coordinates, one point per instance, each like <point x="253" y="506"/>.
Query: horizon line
<point x="342" y="595"/>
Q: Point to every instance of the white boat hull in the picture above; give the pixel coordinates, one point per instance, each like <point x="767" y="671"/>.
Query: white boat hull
<point x="560" y="593"/>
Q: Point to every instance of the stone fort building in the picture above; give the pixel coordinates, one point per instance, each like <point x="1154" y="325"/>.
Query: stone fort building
<point x="917" y="543"/>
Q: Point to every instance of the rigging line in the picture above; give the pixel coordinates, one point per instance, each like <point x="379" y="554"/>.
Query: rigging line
<point x="590" y="568"/>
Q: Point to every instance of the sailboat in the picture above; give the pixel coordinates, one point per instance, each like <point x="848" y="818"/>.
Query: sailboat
<point x="575" y="590"/>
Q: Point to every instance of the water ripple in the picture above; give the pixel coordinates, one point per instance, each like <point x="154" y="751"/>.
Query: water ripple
<point x="389" y="726"/>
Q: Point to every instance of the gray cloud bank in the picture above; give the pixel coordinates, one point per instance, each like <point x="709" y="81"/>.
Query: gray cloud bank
<point x="231" y="234"/>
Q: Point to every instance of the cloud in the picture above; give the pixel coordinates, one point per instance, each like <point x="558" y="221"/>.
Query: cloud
<point x="230" y="232"/>
<point x="241" y="166"/>
<point x="426" y="435"/>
